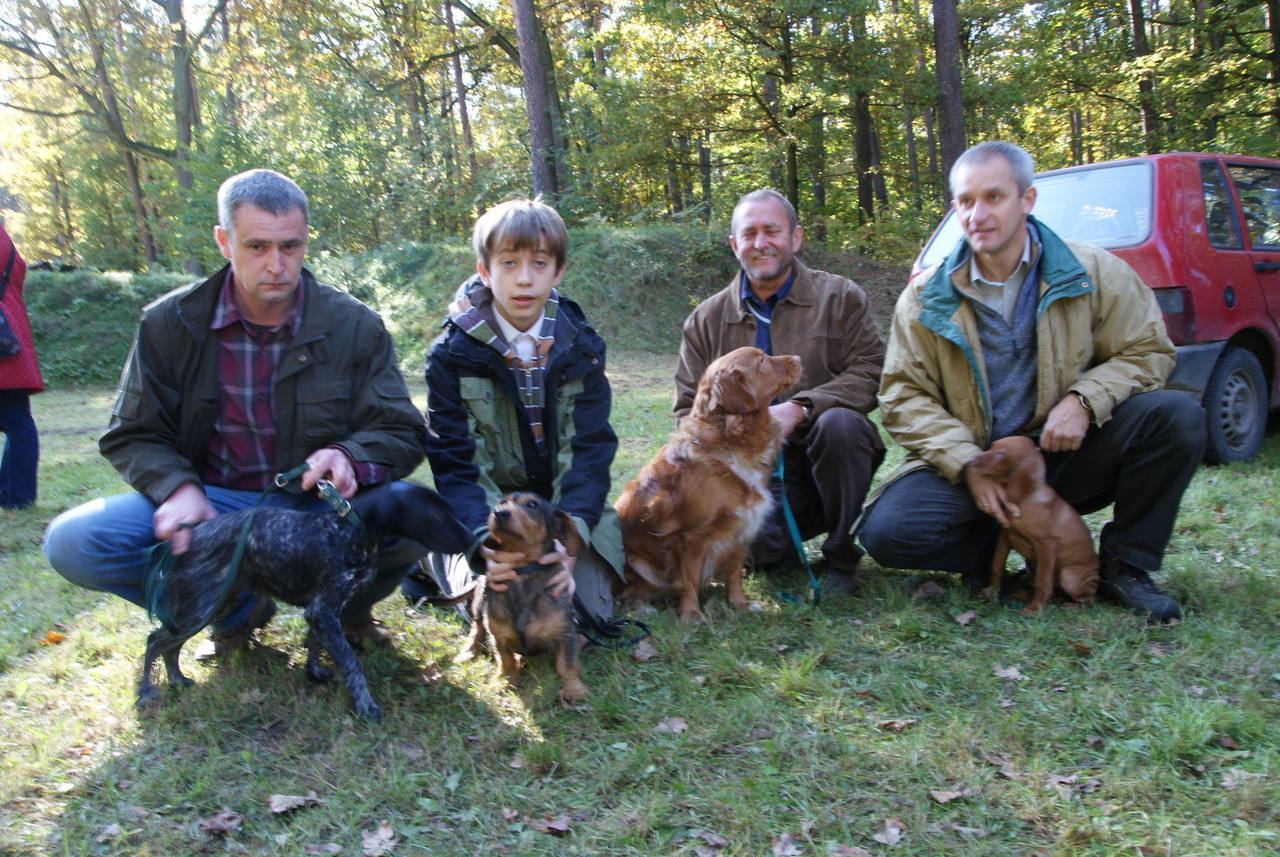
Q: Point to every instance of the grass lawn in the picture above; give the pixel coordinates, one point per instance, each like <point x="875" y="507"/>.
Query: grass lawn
<point x="911" y="720"/>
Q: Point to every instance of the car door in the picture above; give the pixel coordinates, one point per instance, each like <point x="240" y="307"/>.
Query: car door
<point x="1257" y="187"/>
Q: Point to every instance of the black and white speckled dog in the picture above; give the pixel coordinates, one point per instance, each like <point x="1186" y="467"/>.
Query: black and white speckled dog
<point x="315" y="560"/>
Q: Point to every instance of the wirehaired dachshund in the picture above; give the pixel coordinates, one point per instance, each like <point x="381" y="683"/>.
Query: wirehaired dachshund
<point x="1048" y="533"/>
<point x="525" y="618"/>
<point x="693" y="511"/>
<point x="315" y="560"/>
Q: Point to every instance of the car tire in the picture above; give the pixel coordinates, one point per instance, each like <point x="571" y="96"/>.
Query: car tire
<point x="1235" y="407"/>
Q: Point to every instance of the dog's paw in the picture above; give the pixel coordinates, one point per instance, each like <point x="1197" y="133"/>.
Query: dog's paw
<point x="573" y="691"/>
<point x="148" y="697"/>
<point x="319" y="674"/>
<point x="989" y="593"/>
<point x="370" y="711"/>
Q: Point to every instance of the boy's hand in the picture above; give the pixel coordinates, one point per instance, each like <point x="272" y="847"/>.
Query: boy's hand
<point x="500" y="567"/>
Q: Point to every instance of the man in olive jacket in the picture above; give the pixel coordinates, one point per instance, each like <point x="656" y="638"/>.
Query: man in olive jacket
<point x="1020" y="332"/>
<point x="779" y="305"/>
<point x="250" y="373"/>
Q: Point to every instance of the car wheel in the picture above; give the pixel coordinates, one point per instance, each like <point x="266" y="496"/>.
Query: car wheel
<point x="1235" y="405"/>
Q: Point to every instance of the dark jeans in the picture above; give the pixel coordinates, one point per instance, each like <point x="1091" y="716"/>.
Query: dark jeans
<point x="1141" y="460"/>
<point x="828" y="469"/>
<point x="21" y="450"/>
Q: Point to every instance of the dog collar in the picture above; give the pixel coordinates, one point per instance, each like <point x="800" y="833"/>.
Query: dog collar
<point x="340" y="504"/>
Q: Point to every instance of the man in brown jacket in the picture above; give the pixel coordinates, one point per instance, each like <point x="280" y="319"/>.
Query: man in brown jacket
<point x="777" y="304"/>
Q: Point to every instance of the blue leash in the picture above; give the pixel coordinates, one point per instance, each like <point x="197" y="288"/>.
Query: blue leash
<point x="795" y="533"/>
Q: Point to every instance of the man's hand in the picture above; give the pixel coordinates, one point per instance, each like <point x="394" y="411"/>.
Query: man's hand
<point x="500" y="567"/>
<point x="989" y="496"/>
<point x="187" y="505"/>
<point x="1066" y="425"/>
<point x="788" y="415"/>
<point x="332" y="464"/>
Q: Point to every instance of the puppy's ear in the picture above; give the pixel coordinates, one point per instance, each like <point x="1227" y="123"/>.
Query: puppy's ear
<point x="567" y="532"/>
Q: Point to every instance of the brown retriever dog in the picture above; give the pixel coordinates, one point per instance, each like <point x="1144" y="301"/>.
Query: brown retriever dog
<point x="524" y="618"/>
<point x="694" y="509"/>
<point x="1048" y="532"/>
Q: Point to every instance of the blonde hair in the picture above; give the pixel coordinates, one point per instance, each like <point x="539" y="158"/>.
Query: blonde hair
<point x="520" y="224"/>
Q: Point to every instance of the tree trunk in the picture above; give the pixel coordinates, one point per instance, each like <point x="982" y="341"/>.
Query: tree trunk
<point x="913" y="157"/>
<point x="460" y="90"/>
<point x="538" y="100"/>
<point x="946" y="43"/>
<point x="1146" y="85"/>
<point x="704" y="169"/>
<point x="862" y="156"/>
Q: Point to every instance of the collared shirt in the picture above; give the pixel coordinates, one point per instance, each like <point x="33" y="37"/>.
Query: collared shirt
<point x="522" y="342"/>
<point x="763" y="312"/>
<point x="1002" y="296"/>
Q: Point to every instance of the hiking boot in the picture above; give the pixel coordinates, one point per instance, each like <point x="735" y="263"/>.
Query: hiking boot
<point x="1132" y="587"/>
<point x="366" y="630"/>
<point x="841" y="581"/>
<point x="237" y="640"/>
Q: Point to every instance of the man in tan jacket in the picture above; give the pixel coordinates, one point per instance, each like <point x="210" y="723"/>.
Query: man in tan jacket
<point x="779" y="305"/>
<point x="1019" y="332"/>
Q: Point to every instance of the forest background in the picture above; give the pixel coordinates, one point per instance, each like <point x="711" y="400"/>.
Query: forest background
<point x="403" y="119"/>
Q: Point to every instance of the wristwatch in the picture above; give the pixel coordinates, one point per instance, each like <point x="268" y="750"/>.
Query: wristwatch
<point x="807" y="407"/>
<point x="1084" y="402"/>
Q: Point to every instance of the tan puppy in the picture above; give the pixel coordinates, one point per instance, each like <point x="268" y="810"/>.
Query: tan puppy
<point x="693" y="510"/>
<point x="1048" y="532"/>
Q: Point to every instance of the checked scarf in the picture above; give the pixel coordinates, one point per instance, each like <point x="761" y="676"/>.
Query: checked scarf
<point x="472" y="311"/>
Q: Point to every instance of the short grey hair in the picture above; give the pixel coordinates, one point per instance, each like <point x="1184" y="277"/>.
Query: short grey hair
<point x="758" y="196"/>
<point x="1020" y="163"/>
<point x="264" y="189"/>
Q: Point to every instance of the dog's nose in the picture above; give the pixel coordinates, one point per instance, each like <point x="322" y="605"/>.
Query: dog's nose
<point x="501" y="514"/>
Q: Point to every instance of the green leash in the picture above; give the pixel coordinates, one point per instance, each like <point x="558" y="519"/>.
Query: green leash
<point x="160" y="565"/>
<point x="795" y="533"/>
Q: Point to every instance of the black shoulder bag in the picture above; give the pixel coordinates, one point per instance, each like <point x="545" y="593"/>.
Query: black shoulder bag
<point x="9" y="344"/>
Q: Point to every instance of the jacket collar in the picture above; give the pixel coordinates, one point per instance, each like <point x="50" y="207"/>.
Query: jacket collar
<point x="196" y="308"/>
<point x="801" y="292"/>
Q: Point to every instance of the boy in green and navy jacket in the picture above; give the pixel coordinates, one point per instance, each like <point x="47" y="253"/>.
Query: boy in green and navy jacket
<point x="517" y="400"/>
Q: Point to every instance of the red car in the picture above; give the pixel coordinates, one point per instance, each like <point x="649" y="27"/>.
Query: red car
<point x="1203" y="231"/>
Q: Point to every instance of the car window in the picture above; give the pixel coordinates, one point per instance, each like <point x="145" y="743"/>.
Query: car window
<point x="1109" y="206"/>
<point x="1219" y="211"/>
<point x="1259" y="192"/>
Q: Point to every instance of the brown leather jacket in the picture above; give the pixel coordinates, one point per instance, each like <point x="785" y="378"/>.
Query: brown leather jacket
<point x="824" y="319"/>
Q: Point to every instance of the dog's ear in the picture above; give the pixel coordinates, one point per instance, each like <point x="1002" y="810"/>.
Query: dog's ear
<point x="567" y="532"/>
<point x="731" y="393"/>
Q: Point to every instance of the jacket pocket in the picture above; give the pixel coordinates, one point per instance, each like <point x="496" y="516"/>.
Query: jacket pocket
<point x="325" y="410"/>
<point x="495" y="425"/>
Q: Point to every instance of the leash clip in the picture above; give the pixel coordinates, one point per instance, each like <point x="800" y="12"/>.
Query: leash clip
<point x="340" y="504"/>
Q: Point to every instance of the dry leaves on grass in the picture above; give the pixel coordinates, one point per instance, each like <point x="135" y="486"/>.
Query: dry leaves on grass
<point x="52" y="638"/>
<point x="222" y="822"/>
<point x="1010" y="673"/>
<point x="111" y="831"/>
<point x="785" y="846"/>
<point x="671" y="726"/>
<point x="956" y="792"/>
<point x="375" y="843"/>
<point x="287" y="803"/>
<point x="250" y="697"/>
<point x="966" y="617"/>
<point x="556" y="826"/>
<point x="321" y="850"/>
<point x="891" y="832"/>
<point x="1236" y="777"/>
<point x="896" y="724"/>
<point x="848" y="851"/>
<point x="643" y="651"/>
<point x="929" y="589"/>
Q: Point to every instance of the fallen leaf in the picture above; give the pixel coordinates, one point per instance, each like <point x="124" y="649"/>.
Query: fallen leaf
<point x="929" y="589"/>
<point x="509" y="815"/>
<point x="671" y="726"/>
<point x="760" y="733"/>
<point x="1011" y="673"/>
<point x="1156" y="650"/>
<point x="643" y="651"/>
<point x="111" y="831"/>
<point x="699" y="679"/>
<point x="221" y="822"/>
<point x="955" y="793"/>
<point x="1059" y="688"/>
<point x="327" y="848"/>
<point x="1237" y="777"/>
<point x="784" y="846"/>
<point x="1081" y="648"/>
<point x="848" y="851"/>
<point x="136" y="813"/>
<point x="866" y="694"/>
<point x="52" y="638"/>
<point x="555" y="826"/>
<point x="1095" y="740"/>
<point x="517" y="762"/>
<point x="966" y="617"/>
<point x="250" y="697"/>
<point x="715" y="840"/>
<point x="286" y="803"/>
<point x="969" y="831"/>
<point x="375" y="843"/>
<point x="780" y="647"/>
<point x="1226" y="742"/>
<point x="892" y="832"/>
<point x="897" y="724"/>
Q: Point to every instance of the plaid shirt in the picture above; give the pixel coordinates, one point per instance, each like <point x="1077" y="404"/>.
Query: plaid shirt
<point x="242" y="450"/>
